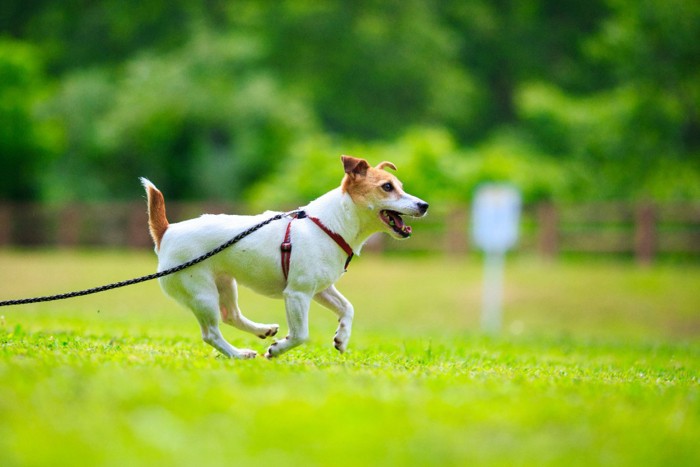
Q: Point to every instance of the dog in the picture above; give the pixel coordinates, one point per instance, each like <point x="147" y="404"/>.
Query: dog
<point x="297" y="258"/>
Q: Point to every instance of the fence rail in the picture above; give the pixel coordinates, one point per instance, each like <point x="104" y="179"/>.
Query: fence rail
<point x="644" y="231"/>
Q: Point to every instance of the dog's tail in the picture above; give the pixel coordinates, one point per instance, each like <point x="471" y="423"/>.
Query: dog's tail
<point x="157" y="222"/>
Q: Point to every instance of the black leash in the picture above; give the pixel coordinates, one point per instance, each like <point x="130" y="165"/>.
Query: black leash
<point x="149" y="277"/>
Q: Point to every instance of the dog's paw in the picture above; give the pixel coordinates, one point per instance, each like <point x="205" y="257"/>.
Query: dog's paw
<point x="342" y="336"/>
<point x="269" y="331"/>
<point x="245" y="354"/>
<point x="271" y="351"/>
<point x="340" y="344"/>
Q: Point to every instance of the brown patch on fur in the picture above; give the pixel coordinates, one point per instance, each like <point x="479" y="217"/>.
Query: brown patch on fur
<point x="354" y="166"/>
<point x="363" y="182"/>
<point x="157" y="222"/>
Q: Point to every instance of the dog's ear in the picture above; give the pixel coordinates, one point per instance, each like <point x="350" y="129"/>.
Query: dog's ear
<point x="386" y="164"/>
<point x="354" y="166"/>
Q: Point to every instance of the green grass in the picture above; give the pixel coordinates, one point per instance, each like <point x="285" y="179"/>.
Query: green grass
<point x="598" y="364"/>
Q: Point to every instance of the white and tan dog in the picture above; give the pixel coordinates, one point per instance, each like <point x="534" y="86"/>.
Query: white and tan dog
<point x="322" y="238"/>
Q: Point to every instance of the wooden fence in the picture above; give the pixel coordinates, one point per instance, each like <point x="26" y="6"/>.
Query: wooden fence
<point x="643" y="231"/>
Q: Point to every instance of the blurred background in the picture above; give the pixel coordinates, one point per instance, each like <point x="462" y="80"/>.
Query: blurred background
<point x="590" y="108"/>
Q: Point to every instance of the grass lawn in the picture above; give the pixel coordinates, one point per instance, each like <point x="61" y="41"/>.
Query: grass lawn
<point x="598" y="364"/>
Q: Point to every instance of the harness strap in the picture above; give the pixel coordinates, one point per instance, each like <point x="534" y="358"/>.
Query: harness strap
<point x="286" y="249"/>
<point x="337" y="238"/>
<point x="286" y="246"/>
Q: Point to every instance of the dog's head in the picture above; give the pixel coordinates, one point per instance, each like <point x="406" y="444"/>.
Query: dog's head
<point x="382" y="193"/>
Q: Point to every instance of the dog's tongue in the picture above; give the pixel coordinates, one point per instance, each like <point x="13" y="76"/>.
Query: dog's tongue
<point x="396" y="218"/>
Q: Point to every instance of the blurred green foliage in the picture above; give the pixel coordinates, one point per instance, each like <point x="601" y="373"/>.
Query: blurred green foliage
<point x="22" y="138"/>
<point x="256" y="101"/>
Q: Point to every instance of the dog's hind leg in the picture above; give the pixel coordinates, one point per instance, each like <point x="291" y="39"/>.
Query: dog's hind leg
<point x="205" y="308"/>
<point x="334" y="301"/>
<point x="231" y="313"/>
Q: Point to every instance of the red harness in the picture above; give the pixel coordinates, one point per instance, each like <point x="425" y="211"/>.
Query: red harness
<point x="286" y="246"/>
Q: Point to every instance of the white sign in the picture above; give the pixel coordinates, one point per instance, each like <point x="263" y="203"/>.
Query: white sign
<point x="495" y="220"/>
<point x="495" y="217"/>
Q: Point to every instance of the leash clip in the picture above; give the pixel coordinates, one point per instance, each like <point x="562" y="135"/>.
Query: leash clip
<point x="298" y="214"/>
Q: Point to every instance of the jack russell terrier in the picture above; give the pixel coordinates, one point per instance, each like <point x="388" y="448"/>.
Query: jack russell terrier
<point x="324" y="235"/>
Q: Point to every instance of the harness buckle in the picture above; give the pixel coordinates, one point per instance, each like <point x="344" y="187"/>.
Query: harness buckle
<point x="286" y="247"/>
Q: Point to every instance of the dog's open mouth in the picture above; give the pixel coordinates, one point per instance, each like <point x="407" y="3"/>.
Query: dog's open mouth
<point x="393" y="219"/>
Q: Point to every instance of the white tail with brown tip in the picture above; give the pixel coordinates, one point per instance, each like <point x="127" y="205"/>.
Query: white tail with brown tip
<point x="157" y="221"/>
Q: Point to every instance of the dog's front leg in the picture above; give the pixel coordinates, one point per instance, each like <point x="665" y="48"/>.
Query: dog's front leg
<point x="297" y="306"/>
<point x="334" y="301"/>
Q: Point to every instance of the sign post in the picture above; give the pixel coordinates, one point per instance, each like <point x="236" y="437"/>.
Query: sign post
<point x="495" y="220"/>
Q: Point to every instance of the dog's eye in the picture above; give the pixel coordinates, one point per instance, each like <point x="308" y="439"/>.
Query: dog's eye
<point x="388" y="187"/>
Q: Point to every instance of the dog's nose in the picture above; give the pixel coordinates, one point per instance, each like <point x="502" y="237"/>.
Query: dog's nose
<point x="423" y="207"/>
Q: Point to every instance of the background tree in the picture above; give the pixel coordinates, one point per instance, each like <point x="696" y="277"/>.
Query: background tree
<point x="24" y="141"/>
<point x="219" y="99"/>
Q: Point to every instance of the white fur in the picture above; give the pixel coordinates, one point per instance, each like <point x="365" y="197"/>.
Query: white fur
<point x="209" y="288"/>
